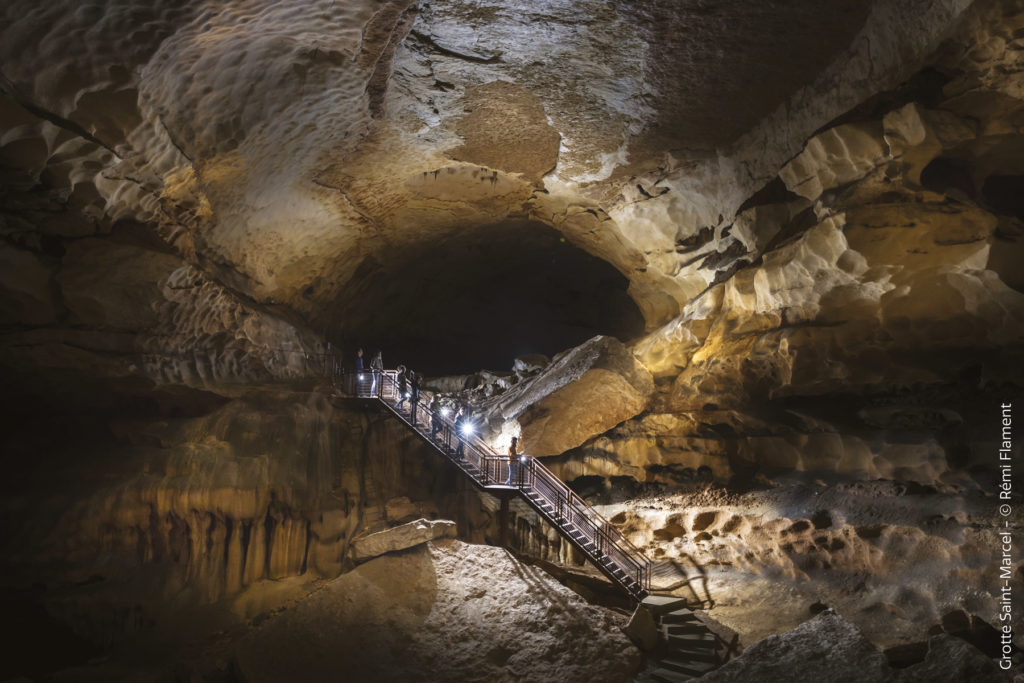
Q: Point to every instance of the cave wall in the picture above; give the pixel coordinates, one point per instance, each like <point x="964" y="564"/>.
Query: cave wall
<point x="867" y="320"/>
<point x="153" y="512"/>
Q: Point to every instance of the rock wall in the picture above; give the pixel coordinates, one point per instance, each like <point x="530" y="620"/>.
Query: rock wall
<point x="892" y="559"/>
<point x="186" y="511"/>
<point x="867" y="323"/>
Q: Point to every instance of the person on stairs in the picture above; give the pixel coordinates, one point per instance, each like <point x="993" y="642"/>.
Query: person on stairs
<point x="513" y="461"/>
<point x="376" y="367"/>
<point x="403" y="387"/>
<point x="436" y="423"/>
<point x="414" y="387"/>
<point x="357" y="376"/>
<point x="460" y="421"/>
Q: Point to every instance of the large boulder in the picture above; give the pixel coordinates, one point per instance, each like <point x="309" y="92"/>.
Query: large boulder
<point x="642" y="629"/>
<point x="401" y="537"/>
<point x="829" y="648"/>
<point x="582" y="393"/>
<point x="951" y="658"/>
<point x="825" y="648"/>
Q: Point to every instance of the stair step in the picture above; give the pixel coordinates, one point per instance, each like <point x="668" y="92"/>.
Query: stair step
<point x="695" y="656"/>
<point x="691" y="638"/>
<point x="670" y="676"/>
<point x="680" y="617"/>
<point x="660" y="604"/>
<point x="695" y="669"/>
<point x="674" y="631"/>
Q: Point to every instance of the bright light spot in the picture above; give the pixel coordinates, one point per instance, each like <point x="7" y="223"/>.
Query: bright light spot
<point x="444" y="411"/>
<point x="467" y="429"/>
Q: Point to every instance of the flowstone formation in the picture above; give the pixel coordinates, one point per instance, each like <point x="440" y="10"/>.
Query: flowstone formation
<point x="755" y="271"/>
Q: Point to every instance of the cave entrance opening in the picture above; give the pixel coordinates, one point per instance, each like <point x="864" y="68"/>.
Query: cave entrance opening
<point x="480" y="297"/>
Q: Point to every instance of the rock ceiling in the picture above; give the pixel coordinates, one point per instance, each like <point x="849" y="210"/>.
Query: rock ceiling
<point x="296" y="155"/>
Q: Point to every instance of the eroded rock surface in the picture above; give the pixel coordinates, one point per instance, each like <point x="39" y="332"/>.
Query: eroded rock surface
<point x="401" y="537"/>
<point x="581" y="393"/>
<point x="831" y="648"/>
<point x="445" y="611"/>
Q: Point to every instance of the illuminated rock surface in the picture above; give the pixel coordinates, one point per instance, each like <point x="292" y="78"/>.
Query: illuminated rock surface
<point x="580" y="394"/>
<point x="401" y="537"/>
<point x="446" y="611"/>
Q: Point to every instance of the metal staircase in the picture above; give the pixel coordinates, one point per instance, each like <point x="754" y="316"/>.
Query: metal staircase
<point x="576" y="521"/>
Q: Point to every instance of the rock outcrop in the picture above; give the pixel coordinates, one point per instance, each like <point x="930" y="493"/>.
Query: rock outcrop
<point x="879" y="553"/>
<point x="831" y="649"/>
<point x="579" y="394"/>
<point x="401" y="537"/>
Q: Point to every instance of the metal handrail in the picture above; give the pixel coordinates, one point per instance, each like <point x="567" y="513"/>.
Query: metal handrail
<point x="532" y="476"/>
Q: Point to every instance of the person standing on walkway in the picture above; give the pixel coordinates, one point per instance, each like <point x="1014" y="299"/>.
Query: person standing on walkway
<point x="513" y="460"/>
<point x="403" y="387"/>
<point x="376" y="368"/>
<point x="357" y="376"/>
<point x="460" y="423"/>
<point x="435" y="417"/>
<point x="414" y="385"/>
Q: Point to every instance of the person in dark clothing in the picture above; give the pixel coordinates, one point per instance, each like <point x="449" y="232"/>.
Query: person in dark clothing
<point x="403" y="387"/>
<point x="356" y="378"/>
<point x="436" y="422"/>
<point x="414" y="394"/>
<point x="376" y="368"/>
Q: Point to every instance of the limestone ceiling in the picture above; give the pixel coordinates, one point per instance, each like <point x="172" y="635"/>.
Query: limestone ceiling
<point x="288" y="148"/>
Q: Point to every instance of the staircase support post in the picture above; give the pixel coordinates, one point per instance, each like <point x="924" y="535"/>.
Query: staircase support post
<point x="503" y="522"/>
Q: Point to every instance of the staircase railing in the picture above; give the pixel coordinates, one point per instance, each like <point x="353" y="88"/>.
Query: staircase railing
<point x="570" y="508"/>
<point x="597" y="538"/>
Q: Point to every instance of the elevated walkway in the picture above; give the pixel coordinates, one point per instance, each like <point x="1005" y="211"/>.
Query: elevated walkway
<point x="593" y="535"/>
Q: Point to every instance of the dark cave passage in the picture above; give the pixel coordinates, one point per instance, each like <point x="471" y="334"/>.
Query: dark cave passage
<point x="479" y="298"/>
